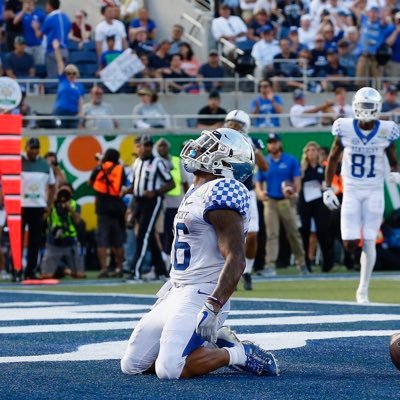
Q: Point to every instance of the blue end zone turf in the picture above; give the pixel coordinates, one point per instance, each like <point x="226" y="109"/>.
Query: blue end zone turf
<point x="58" y="346"/>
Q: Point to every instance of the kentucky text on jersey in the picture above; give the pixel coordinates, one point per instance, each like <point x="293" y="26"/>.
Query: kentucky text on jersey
<point x="364" y="155"/>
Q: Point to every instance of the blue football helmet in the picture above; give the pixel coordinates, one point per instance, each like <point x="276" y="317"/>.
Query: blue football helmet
<point x="223" y="152"/>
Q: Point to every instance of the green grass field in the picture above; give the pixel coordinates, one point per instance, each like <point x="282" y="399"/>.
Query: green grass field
<point x="384" y="288"/>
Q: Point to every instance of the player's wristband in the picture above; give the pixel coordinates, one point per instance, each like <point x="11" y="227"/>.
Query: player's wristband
<point x="211" y="308"/>
<point x="215" y="300"/>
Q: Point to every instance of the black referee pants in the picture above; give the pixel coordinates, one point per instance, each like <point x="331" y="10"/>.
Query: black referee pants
<point x="33" y="217"/>
<point x="147" y="211"/>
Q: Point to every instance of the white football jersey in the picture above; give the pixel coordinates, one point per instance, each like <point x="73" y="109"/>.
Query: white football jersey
<point x="195" y="254"/>
<point x="364" y="153"/>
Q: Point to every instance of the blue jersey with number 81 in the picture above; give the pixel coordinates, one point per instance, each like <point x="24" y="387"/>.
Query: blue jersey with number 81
<point x="364" y="156"/>
<point x="195" y="255"/>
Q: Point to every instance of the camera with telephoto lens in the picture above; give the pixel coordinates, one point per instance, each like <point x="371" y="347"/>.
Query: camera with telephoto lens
<point x="58" y="232"/>
<point x="63" y="196"/>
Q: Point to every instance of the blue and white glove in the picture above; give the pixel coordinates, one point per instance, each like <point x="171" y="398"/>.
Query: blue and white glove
<point x="330" y="199"/>
<point x="207" y="323"/>
<point x="394" y="177"/>
<point x="258" y="143"/>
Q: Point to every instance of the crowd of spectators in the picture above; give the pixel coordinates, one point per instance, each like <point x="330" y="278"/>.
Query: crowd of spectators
<point x="336" y="38"/>
<point x="297" y="46"/>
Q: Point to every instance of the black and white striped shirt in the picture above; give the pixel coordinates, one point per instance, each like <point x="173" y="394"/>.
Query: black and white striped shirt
<point x="149" y="175"/>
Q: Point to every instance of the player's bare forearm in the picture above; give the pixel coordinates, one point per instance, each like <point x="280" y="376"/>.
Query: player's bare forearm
<point x="333" y="160"/>
<point x="228" y="225"/>
<point x="261" y="162"/>
<point x="391" y="153"/>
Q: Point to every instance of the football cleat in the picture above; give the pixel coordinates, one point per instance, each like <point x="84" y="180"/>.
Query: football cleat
<point x="362" y="297"/>
<point x="247" y="283"/>
<point x="226" y="337"/>
<point x="259" y="361"/>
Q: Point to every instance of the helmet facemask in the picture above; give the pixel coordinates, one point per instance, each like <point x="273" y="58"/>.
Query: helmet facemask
<point x="367" y="111"/>
<point x="223" y="152"/>
<point x="204" y="153"/>
<point x="367" y="104"/>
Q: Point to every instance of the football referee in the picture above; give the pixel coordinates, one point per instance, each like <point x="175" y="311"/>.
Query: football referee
<point x="151" y="179"/>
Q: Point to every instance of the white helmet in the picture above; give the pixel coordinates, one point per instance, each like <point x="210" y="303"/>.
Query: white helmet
<point x="241" y="118"/>
<point x="367" y="104"/>
<point x="223" y="152"/>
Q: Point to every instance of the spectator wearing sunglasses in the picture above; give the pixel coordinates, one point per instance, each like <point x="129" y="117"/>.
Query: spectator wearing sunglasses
<point x="266" y="106"/>
<point x="69" y="100"/>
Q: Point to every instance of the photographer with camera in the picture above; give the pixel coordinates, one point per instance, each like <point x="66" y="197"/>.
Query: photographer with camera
<point x="62" y="236"/>
<point x="59" y="174"/>
<point x="108" y="180"/>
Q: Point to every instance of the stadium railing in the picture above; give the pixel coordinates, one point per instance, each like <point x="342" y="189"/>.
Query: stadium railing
<point x="231" y="84"/>
<point x="178" y="124"/>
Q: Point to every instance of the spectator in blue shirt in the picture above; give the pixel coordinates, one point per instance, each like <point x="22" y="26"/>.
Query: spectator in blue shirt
<point x="268" y="104"/>
<point x="140" y="43"/>
<point x="19" y="64"/>
<point x="278" y="188"/>
<point x="328" y="33"/>
<point x="26" y="16"/>
<point x="212" y="69"/>
<point x="159" y="61"/>
<point x="143" y="21"/>
<point x="373" y="35"/>
<point x="56" y="26"/>
<point x="393" y="41"/>
<point x="347" y="59"/>
<point x="69" y="99"/>
<point x="390" y="103"/>
<point x="110" y="54"/>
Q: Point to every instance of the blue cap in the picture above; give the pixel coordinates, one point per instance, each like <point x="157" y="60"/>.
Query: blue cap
<point x="273" y="137"/>
<point x="293" y="29"/>
<point x="33" y="142"/>
<point x="344" y="12"/>
<point x="373" y="8"/>
<point x="298" y="94"/>
<point x="265" y="28"/>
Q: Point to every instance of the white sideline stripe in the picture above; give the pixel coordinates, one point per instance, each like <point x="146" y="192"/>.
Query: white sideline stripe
<point x="272" y="341"/>
<point x="34" y="304"/>
<point x="83" y="327"/>
<point x="313" y="319"/>
<point x="100" y="312"/>
<point x="91" y="311"/>
<point x="261" y="312"/>
<point x="291" y="340"/>
<point x="148" y="296"/>
<point x="270" y="322"/>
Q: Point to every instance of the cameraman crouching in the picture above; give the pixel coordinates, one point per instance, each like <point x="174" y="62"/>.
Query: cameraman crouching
<point x="62" y="236"/>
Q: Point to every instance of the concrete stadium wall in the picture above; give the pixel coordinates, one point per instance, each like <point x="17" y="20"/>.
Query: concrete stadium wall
<point x="182" y="103"/>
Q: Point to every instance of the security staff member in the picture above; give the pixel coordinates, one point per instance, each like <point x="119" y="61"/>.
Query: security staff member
<point x="151" y="179"/>
<point x="108" y="180"/>
<point x="38" y="188"/>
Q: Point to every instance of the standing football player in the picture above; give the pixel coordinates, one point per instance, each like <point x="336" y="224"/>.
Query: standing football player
<point x="240" y="121"/>
<point x="208" y="259"/>
<point x="365" y="142"/>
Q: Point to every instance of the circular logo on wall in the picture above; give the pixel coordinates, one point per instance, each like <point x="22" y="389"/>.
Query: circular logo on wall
<point x="10" y="93"/>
